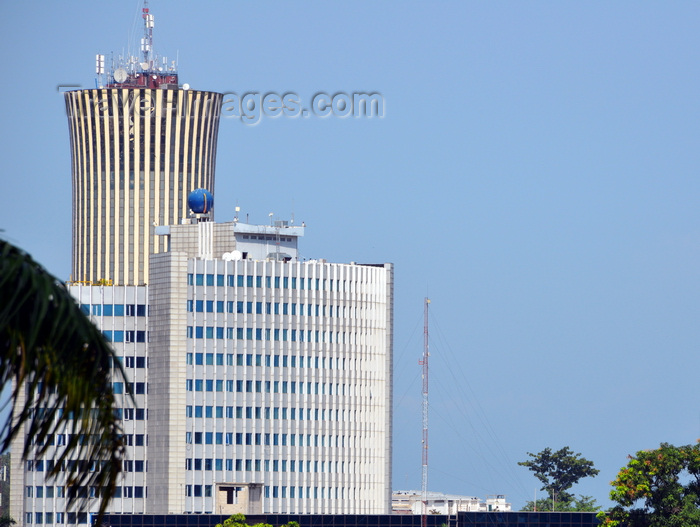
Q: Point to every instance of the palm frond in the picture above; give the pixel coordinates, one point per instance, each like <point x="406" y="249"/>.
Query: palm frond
<point x="49" y="349"/>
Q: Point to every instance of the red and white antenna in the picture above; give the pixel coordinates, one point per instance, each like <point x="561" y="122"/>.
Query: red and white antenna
<point x="147" y="40"/>
<point x="424" y="363"/>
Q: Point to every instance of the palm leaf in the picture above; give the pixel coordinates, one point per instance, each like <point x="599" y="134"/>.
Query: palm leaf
<point x="64" y="365"/>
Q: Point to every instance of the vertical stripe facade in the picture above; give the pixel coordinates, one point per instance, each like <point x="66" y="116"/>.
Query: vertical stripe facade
<point x="136" y="154"/>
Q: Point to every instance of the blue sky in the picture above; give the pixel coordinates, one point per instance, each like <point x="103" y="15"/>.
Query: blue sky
<point x="535" y="174"/>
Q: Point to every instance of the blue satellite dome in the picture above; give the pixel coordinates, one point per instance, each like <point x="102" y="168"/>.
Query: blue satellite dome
<point x="200" y="201"/>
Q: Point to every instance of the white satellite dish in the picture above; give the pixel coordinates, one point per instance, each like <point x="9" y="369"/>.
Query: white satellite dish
<point x="185" y="86"/>
<point x="236" y="255"/>
<point x="120" y="75"/>
<point x="144" y="66"/>
<point x="226" y="257"/>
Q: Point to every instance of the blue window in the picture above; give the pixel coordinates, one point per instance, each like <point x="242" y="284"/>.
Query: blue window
<point x="230" y="280"/>
<point x="199" y="306"/>
<point x="118" y="310"/>
<point x="210" y="306"/>
<point x="210" y="332"/>
<point x="198" y="385"/>
<point x="199" y="332"/>
<point x="190" y="279"/>
<point x="210" y="385"/>
<point x="140" y="310"/>
<point x="119" y="336"/>
<point x="118" y="387"/>
<point x="97" y="309"/>
<point x="190" y="332"/>
<point x="107" y="310"/>
<point x="199" y="359"/>
<point x="85" y="308"/>
<point x="219" y="280"/>
<point x="219" y="306"/>
<point x="210" y="279"/>
<point x="229" y="306"/>
<point x="219" y="332"/>
<point x="199" y="279"/>
<point x="108" y="335"/>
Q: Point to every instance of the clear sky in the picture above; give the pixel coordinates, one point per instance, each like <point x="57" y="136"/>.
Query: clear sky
<point x="535" y="173"/>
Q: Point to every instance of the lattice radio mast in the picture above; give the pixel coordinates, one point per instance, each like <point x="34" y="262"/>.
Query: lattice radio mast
<point x="424" y="363"/>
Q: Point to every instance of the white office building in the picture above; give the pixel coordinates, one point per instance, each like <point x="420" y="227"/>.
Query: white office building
<point x="253" y="371"/>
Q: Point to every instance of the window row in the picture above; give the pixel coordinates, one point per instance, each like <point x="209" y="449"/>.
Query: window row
<point x="217" y="385"/>
<point x="132" y="414"/>
<point x="267" y="308"/>
<point x="284" y="335"/>
<point x="266" y="465"/>
<point x="114" y="310"/>
<point x="125" y="336"/>
<point x="298" y="492"/>
<point x="258" y="412"/>
<point x="45" y="491"/>
<point x="137" y="388"/>
<point x="258" y="359"/>
<point x="238" y="438"/>
<point x="277" y="282"/>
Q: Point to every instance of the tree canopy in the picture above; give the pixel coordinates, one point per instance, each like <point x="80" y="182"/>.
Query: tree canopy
<point x="657" y="488"/>
<point x="559" y="471"/>
<point x="580" y="504"/>
<point x="238" y="520"/>
<point x="57" y="356"/>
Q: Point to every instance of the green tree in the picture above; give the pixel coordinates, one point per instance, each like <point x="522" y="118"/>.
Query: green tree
<point x="559" y="471"/>
<point x="657" y="488"/>
<point x="580" y="504"/>
<point x="49" y="348"/>
<point x="238" y="520"/>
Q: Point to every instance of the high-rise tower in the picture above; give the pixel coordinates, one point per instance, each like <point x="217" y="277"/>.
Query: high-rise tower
<point x="139" y="145"/>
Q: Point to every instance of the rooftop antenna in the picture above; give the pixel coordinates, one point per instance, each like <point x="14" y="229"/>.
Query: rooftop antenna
<point x="424" y="363"/>
<point x="147" y="40"/>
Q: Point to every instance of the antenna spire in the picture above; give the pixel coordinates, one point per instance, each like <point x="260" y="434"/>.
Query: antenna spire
<point x="147" y="40"/>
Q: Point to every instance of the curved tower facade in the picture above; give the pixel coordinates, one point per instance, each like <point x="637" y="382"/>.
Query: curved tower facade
<point x="138" y="148"/>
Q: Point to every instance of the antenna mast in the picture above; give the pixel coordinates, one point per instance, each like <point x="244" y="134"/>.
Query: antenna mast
<point x="424" y="363"/>
<point x="147" y="40"/>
